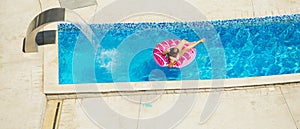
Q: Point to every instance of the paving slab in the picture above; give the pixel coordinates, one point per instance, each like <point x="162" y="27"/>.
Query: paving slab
<point x="167" y="110"/>
<point x="22" y="101"/>
<point x="72" y="117"/>
<point x="84" y="113"/>
<point x="292" y="95"/>
<point x="248" y="109"/>
<point x="86" y="13"/>
<point x="75" y="4"/>
<point x="48" y="4"/>
<point x="225" y="9"/>
<point x="278" y="7"/>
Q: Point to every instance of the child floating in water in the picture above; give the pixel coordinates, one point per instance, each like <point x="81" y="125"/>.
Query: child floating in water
<point x="176" y="52"/>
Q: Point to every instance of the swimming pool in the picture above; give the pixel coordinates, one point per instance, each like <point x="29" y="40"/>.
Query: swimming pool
<point x="252" y="47"/>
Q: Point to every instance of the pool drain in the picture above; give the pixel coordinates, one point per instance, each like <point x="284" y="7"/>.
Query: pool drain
<point x="52" y="114"/>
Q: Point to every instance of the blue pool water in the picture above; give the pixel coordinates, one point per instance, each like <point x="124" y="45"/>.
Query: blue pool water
<point x="250" y="47"/>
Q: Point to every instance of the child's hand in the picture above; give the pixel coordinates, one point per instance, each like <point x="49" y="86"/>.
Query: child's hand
<point x="203" y="40"/>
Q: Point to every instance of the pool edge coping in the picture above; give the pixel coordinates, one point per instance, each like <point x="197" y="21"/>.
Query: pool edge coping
<point x="172" y="85"/>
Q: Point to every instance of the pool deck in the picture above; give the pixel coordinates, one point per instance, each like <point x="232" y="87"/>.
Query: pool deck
<point x="23" y="102"/>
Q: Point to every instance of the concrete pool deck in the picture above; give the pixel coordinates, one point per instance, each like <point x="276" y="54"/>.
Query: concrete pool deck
<point x="23" y="103"/>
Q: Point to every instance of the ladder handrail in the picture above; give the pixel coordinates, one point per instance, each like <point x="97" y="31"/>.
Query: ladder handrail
<point x="44" y="18"/>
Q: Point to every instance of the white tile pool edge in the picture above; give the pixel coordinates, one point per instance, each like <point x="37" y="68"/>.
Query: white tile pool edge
<point x="52" y="86"/>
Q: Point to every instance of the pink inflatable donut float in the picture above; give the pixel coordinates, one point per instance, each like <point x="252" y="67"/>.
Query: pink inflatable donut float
<point x="162" y="60"/>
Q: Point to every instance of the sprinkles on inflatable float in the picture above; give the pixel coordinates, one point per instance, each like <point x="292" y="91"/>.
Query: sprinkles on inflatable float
<point x="162" y="60"/>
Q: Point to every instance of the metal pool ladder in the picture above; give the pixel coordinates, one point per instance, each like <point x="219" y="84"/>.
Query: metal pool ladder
<point x="30" y="43"/>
